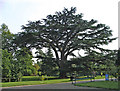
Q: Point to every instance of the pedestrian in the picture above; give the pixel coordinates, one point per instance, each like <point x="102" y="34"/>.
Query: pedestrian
<point x="71" y="78"/>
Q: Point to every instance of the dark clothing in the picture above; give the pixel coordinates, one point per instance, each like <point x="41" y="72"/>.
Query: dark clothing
<point x="71" y="78"/>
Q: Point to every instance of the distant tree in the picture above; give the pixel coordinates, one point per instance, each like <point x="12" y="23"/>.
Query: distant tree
<point x="39" y="54"/>
<point x="65" y="32"/>
<point x="49" y="65"/>
<point x="16" y="71"/>
<point x="6" y="64"/>
<point x="14" y="58"/>
<point x="95" y="62"/>
<point x="37" y="67"/>
<point x="7" y="38"/>
<point x="24" y="59"/>
<point x="10" y="67"/>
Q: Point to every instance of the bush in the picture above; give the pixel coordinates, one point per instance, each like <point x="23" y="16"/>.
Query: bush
<point x="42" y="78"/>
<point x="31" y="78"/>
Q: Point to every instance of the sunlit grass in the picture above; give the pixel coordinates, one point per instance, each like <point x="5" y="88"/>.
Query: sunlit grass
<point x="10" y="84"/>
<point x="100" y="84"/>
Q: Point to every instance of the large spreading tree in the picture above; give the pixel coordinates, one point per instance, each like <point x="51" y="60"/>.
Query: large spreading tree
<point x="65" y="32"/>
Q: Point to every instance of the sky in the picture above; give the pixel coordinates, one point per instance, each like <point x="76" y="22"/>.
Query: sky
<point x="15" y="13"/>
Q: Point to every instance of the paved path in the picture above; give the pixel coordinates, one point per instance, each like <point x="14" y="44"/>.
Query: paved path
<point x="58" y="86"/>
<point x="52" y="86"/>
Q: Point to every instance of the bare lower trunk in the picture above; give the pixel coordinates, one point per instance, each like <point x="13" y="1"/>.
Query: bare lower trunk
<point x="63" y="68"/>
<point x="63" y="74"/>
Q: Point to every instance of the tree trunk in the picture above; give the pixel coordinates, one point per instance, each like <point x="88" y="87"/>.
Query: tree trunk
<point x="62" y="74"/>
<point x="63" y="67"/>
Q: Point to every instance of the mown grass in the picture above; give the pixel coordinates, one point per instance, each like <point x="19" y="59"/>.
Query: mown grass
<point x="100" y="84"/>
<point x="30" y="78"/>
<point x="10" y="84"/>
<point x="37" y="78"/>
<point x="99" y="77"/>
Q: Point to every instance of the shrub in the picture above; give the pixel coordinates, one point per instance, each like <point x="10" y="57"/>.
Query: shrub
<point x="42" y="78"/>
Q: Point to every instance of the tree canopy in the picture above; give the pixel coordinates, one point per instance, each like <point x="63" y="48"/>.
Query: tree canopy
<point x="65" y="32"/>
<point x="7" y="37"/>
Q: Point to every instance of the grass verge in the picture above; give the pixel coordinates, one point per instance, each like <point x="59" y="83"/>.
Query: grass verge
<point x="11" y="84"/>
<point x="100" y="84"/>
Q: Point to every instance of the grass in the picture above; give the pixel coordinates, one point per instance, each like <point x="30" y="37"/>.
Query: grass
<point x="100" y="84"/>
<point x="10" y="84"/>
<point x="30" y="78"/>
<point x="37" y="78"/>
<point x="99" y="77"/>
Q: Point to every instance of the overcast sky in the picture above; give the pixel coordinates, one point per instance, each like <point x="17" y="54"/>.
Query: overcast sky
<point x="15" y="13"/>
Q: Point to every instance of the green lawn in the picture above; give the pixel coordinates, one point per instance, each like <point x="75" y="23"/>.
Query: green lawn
<point x="99" y="77"/>
<point x="101" y="84"/>
<point x="10" y="84"/>
<point x="37" y="78"/>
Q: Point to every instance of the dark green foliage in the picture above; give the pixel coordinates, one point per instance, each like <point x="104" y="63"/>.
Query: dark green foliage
<point x="6" y="64"/>
<point x="95" y="62"/>
<point x="24" y="61"/>
<point x="15" y="61"/>
<point x="10" y="67"/>
<point x="65" y="32"/>
<point x="48" y="65"/>
<point x="7" y="38"/>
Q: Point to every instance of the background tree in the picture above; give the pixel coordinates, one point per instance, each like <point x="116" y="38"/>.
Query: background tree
<point x="65" y="32"/>
<point x="110" y="63"/>
<point x="36" y="70"/>
<point x="10" y="67"/>
<point x="6" y="51"/>
<point x="24" y="59"/>
<point x="6" y="64"/>
<point x="46" y="62"/>
<point x="95" y="62"/>
<point x="7" y="38"/>
<point x="49" y="65"/>
<point x="11" y="60"/>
